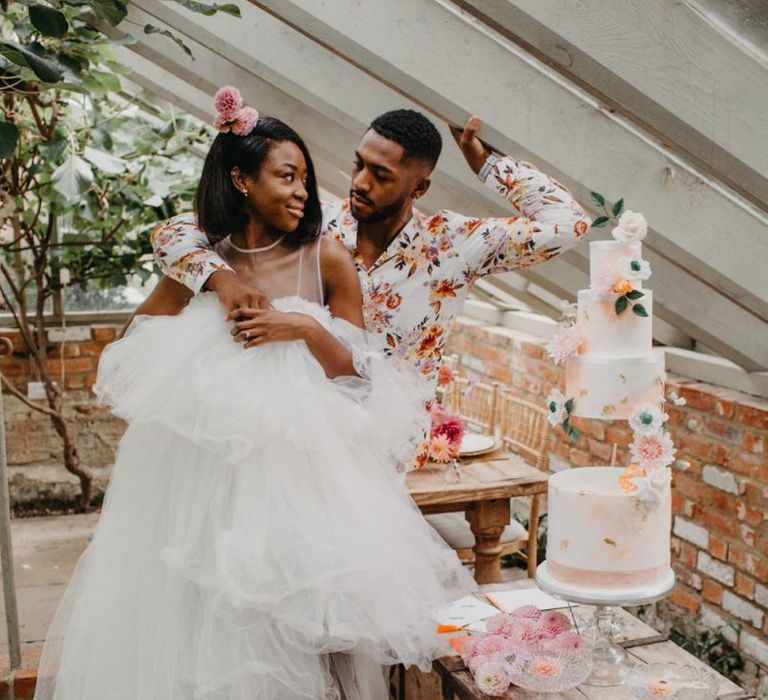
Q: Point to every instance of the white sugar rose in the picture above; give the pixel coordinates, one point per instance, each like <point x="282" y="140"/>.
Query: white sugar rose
<point x="632" y="227"/>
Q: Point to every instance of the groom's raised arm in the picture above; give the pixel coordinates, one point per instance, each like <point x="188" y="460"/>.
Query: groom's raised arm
<point x="550" y="220"/>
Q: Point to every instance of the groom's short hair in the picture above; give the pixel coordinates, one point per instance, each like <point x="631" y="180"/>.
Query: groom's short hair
<point x="417" y="135"/>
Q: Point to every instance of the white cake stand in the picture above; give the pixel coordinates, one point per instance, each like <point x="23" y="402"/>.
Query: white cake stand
<point x="610" y="661"/>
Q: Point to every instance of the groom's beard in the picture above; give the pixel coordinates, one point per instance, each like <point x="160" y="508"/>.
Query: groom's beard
<point x="378" y="214"/>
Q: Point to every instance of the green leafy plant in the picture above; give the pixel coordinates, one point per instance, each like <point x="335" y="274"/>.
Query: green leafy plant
<point x="712" y="647"/>
<point x="85" y="171"/>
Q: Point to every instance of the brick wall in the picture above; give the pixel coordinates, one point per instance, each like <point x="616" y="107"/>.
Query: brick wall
<point x="33" y="447"/>
<point x="720" y="488"/>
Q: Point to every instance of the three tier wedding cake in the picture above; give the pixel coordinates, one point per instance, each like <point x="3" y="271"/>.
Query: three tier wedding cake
<point x="609" y="527"/>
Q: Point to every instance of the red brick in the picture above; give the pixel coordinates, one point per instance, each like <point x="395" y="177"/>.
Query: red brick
<point x="748" y="535"/>
<point x="91" y="348"/>
<point x="579" y="458"/>
<point x="75" y="381"/>
<point x="698" y="399"/>
<point x="24" y="683"/>
<point x="712" y="591"/>
<point x="756" y="494"/>
<point x="532" y="350"/>
<point x="688" y="554"/>
<point x="752" y="564"/>
<point x="106" y="333"/>
<point x="718" y="547"/>
<point x="721" y="455"/>
<point x="699" y="447"/>
<point x="754" y="443"/>
<point x="721" y="523"/>
<point x="90" y="380"/>
<point x="754" y="516"/>
<point x="749" y="464"/>
<point x="71" y="364"/>
<point x="620" y="436"/>
<point x="744" y="586"/>
<point x="724" y="408"/>
<point x="684" y="599"/>
<point x="601" y="450"/>
<point x="756" y="417"/>
<point x="723" y="431"/>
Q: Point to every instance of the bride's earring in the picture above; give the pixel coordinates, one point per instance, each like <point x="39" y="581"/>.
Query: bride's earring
<point x="245" y="193"/>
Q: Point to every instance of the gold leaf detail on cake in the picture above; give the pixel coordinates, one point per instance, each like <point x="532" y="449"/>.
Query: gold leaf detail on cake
<point x="564" y="544"/>
<point x="609" y="542"/>
<point x="623" y="378"/>
<point x="625" y="400"/>
<point x="608" y="409"/>
<point x="583" y="393"/>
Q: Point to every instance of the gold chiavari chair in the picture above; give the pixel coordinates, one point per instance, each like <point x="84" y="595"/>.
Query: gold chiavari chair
<point x="524" y="430"/>
<point x="477" y="404"/>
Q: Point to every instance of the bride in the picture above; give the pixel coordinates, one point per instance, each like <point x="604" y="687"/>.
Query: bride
<point x="256" y="541"/>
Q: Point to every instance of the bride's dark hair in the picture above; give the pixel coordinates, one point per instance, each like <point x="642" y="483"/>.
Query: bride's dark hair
<point x="218" y="204"/>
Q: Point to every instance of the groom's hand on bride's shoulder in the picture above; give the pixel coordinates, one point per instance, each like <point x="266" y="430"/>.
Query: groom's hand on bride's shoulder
<point x="234" y="293"/>
<point x="474" y="150"/>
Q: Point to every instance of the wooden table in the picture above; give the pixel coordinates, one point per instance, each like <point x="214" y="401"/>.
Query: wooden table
<point x="482" y="492"/>
<point x="451" y="680"/>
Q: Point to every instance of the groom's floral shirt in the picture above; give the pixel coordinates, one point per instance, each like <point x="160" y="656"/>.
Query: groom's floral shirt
<point x="415" y="290"/>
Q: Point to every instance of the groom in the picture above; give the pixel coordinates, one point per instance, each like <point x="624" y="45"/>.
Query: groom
<point x="415" y="270"/>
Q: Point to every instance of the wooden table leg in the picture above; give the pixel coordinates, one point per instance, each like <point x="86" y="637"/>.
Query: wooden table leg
<point x="487" y="520"/>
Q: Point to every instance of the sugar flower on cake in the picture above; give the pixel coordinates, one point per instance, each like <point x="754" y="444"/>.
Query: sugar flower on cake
<point x="492" y="679"/>
<point x="565" y="343"/>
<point x="556" y="405"/>
<point x="568" y="309"/>
<point x="635" y="269"/>
<point x="652" y="451"/>
<point x="647" y="419"/>
<point x="676" y="399"/>
<point x="632" y="227"/>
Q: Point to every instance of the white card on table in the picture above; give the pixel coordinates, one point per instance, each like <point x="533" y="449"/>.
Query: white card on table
<point x="506" y="601"/>
<point x="465" y="611"/>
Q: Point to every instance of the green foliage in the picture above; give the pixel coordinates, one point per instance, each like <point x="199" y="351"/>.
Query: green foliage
<point x="711" y="646"/>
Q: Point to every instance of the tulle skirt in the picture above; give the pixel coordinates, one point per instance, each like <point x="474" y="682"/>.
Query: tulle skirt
<point x="256" y="540"/>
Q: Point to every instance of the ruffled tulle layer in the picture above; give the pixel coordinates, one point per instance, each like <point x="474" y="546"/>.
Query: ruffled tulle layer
<point x="256" y="541"/>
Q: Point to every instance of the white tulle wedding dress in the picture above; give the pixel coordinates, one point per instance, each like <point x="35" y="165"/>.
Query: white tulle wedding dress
<point x="256" y="541"/>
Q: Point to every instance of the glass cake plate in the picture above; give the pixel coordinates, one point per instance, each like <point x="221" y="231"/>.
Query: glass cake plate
<point x="652" y="681"/>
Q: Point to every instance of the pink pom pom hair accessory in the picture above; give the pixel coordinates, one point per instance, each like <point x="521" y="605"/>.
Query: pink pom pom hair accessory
<point x="231" y="115"/>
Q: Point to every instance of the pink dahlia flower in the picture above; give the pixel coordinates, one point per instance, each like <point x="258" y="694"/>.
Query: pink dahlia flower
<point x="569" y="641"/>
<point x="227" y="101"/>
<point x="492" y="679"/>
<point x="565" y="343"/>
<point x="654" y="451"/>
<point x="244" y="120"/>
<point x="528" y="611"/>
<point x="553" y="623"/>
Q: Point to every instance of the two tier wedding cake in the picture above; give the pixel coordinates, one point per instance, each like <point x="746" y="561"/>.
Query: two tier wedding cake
<point x="609" y="527"/>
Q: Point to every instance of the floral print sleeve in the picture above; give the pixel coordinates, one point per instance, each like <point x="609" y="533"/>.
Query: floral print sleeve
<point x="551" y="221"/>
<point x="183" y="252"/>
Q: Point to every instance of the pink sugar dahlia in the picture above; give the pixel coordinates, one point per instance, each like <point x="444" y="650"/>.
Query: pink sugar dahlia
<point x="565" y="343"/>
<point x="227" y="101"/>
<point x="244" y="120"/>
<point x="654" y="451"/>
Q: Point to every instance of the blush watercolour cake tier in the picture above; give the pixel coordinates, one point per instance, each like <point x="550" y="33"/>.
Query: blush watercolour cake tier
<point x="606" y="542"/>
<point x="608" y="537"/>
<point x="616" y="368"/>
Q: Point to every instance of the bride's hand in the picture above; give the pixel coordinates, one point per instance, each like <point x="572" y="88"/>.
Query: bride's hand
<point x="254" y="327"/>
